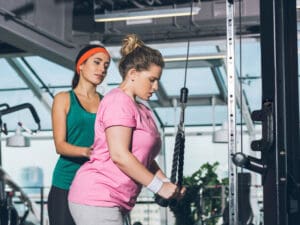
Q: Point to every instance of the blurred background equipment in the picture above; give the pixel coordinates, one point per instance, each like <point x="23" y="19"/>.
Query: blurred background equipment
<point x="17" y="140"/>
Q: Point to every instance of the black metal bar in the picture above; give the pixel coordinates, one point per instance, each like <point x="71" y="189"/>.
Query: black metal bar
<point x="291" y="109"/>
<point x="249" y="162"/>
<point x="266" y="116"/>
<point x="4" y="105"/>
<point x="2" y="192"/>
<point x="0" y="144"/>
<point x="20" y="107"/>
<point x="280" y="86"/>
<point x="42" y="205"/>
<point x="270" y="200"/>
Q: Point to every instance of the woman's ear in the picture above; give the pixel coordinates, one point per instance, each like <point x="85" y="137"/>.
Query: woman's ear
<point x="81" y="67"/>
<point x="132" y="73"/>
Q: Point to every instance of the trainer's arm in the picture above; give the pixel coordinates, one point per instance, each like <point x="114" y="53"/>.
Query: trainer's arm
<point x="60" y="108"/>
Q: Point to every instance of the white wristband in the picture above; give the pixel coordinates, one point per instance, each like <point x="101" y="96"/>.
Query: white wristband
<point x="165" y="180"/>
<point x="155" y="185"/>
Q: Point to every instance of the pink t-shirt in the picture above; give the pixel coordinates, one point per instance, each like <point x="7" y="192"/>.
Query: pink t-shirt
<point x="99" y="182"/>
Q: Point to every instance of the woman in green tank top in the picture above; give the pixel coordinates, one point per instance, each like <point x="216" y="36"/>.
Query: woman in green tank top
<point x="73" y="117"/>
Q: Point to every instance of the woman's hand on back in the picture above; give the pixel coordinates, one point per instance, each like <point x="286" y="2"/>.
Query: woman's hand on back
<point x="87" y="151"/>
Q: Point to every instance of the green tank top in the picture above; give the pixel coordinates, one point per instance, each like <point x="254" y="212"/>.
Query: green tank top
<point x="80" y="132"/>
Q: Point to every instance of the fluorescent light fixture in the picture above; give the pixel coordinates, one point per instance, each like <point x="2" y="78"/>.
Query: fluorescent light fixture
<point x="18" y="140"/>
<point x="146" y="14"/>
<point x="191" y="58"/>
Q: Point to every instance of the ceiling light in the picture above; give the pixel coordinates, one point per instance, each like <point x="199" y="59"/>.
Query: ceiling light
<point x="18" y="140"/>
<point x="147" y="14"/>
<point x="192" y="58"/>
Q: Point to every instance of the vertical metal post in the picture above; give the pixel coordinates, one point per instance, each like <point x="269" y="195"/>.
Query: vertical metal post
<point x="0" y="141"/>
<point x="233" y="198"/>
<point x="280" y="86"/>
<point x="0" y="145"/>
<point x="162" y="163"/>
<point x="42" y="204"/>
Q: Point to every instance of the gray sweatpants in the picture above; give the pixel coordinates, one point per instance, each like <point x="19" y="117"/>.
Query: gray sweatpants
<point x="95" y="215"/>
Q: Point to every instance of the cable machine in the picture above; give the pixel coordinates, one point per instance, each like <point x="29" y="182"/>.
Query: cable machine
<point x="279" y="164"/>
<point x="8" y="213"/>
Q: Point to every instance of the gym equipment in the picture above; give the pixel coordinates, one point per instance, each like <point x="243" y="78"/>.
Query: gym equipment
<point x="245" y="215"/>
<point x="178" y="155"/>
<point x="7" y="110"/>
<point x="8" y="188"/>
<point x="279" y="114"/>
<point x="231" y="104"/>
<point x="8" y="213"/>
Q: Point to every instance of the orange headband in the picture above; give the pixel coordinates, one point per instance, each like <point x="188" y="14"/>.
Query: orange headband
<point x="88" y="54"/>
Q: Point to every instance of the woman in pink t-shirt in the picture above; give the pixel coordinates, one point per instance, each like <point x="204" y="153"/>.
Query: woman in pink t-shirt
<point x="126" y="143"/>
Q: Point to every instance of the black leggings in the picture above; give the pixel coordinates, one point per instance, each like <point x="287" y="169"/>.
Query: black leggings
<point x="58" y="208"/>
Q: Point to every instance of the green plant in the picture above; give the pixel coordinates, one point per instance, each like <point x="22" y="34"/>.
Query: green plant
<point x="201" y="187"/>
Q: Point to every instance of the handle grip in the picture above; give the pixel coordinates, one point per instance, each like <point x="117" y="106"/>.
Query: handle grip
<point x="161" y="201"/>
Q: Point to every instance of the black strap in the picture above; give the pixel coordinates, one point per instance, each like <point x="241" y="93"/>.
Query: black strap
<point x="178" y="155"/>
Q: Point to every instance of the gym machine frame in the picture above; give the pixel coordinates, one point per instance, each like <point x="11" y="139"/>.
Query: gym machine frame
<point x="280" y="154"/>
<point x="231" y="104"/>
<point x="6" y="197"/>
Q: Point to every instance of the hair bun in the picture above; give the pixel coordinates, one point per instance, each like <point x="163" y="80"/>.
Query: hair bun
<point x="129" y="43"/>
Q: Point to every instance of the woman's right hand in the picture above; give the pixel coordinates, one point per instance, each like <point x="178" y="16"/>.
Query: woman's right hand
<point x="168" y="190"/>
<point x="86" y="152"/>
